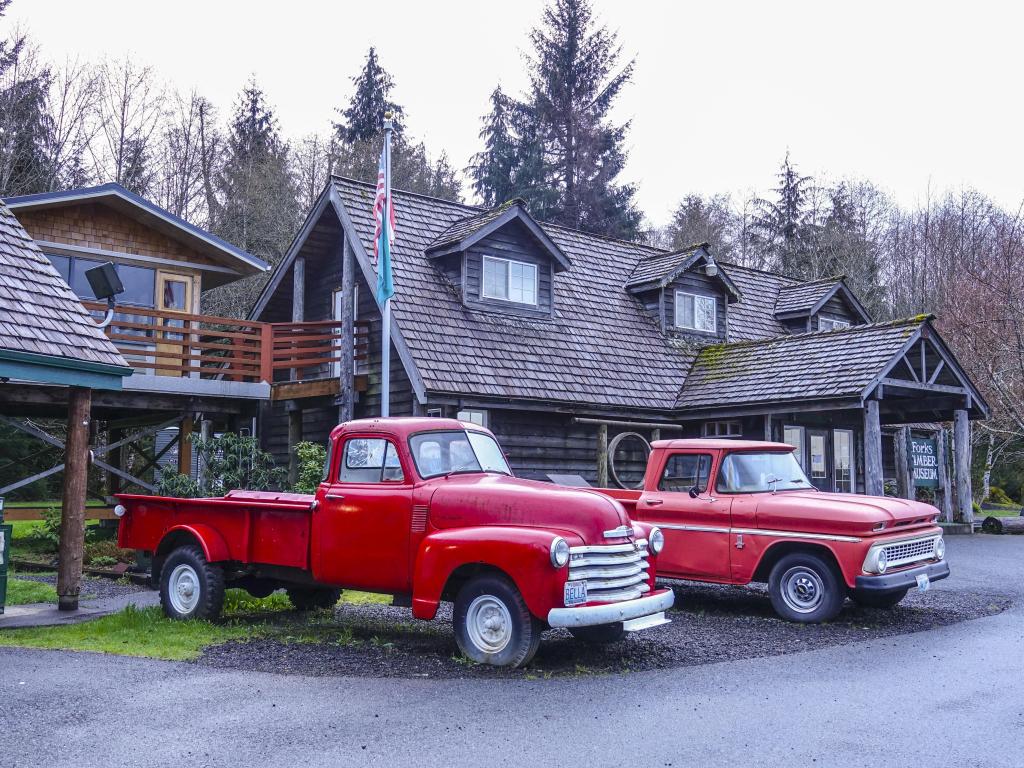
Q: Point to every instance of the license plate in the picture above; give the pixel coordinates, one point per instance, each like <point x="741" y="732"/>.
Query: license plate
<point x="923" y="582"/>
<point x="575" y="593"/>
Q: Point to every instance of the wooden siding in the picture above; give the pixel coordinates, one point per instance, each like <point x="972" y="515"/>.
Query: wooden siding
<point x="511" y="242"/>
<point x="91" y="225"/>
<point x="834" y="309"/>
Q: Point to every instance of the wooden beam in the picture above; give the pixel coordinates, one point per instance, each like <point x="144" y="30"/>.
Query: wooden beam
<point x="37" y="513"/>
<point x="72" y="521"/>
<point x="874" y="484"/>
<point x="768" y="427"/>
<point x="294" y="437"/>
<point x="602" y="455"/>
<point x="299" y="289"/>
<point x="295" y="390"/>
<point x="185" y="445"/>
<point x="962" y="466"/>
<point x="205" y="433"/>
<point x="347" y="367"/>
<point x="945" y="491"/>
<point x="904" y="484"/>
<point x="630" y="424"/>
<point x="921" y="386"/>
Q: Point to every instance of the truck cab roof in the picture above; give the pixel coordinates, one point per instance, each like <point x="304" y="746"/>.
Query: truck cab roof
<point x="403" y="426"/>
<point x="721" y="444"/>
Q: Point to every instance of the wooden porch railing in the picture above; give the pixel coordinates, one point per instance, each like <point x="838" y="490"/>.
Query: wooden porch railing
<point x="167" y="343"/>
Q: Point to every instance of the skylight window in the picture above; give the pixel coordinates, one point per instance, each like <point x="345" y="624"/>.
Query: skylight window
<point x="508" y="280"/>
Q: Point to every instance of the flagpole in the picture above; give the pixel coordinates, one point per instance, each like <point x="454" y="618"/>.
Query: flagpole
<point x="385" y="355"/>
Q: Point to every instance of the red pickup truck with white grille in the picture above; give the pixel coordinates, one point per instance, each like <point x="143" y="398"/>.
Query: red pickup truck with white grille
<point x="736" y="511"/>
<point x="427" y="510"/>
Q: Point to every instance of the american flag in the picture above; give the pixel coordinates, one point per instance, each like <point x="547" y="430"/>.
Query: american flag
<point x="380" y="201"/>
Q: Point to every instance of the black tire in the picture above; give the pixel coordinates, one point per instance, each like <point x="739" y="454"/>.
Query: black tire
<point x="875" y="600"/>
<point x="313" y="598"/>
<point x="516" y="635"/>
<point x="805" y="588"/>
<point x="197" y="591"/>
<point x="601" y="635"/>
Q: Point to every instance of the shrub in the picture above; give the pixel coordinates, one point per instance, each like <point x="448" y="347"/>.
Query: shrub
<point x="49" y="531"/>
<point x="106" y="553"/>
<point x="997" y="495"/>
<point x="229" y="461"/>
<point x="312" y="457"/>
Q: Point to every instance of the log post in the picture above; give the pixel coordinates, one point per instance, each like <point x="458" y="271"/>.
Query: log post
<point x="945" y="491"/>
<point x="294" y="438"/>
<point x="602" y="455"/>
<point x="347" y="369"/>
<point x="205" y="433"/>
<point x="299" y="290"/>
<point x="185" y="445"/>
<point x="962" y="465"/>
<point x="72" y="521"/>
<point x="768" y="427"/>
<point x="904" y="482"/>
<point x="874" y="485"/>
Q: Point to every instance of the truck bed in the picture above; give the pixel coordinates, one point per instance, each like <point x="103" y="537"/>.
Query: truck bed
<point x="255" y="527"/>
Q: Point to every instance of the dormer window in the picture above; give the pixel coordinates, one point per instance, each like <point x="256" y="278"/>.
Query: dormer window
<point x="696" y="312"/>
<point x="509" y="280"/>
<point x="831" y="324"/>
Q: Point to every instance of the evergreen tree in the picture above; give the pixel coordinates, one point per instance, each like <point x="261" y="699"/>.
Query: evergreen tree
<point x="699" y="219"/>
<point x="575" y="79"/>
<point x="25" y="129"/>
<point x="258" y="208"/>
<point x="493" y="168"/>
<point x="364" y="116"/>
<point x="782" y="227"/>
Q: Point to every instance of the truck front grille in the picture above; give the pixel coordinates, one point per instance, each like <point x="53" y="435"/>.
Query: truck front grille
<point x="614" y="572"/>
<point x="906" y="552"/>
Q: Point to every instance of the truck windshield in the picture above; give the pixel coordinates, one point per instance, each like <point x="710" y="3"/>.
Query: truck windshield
<point x="445" y="453"/>
<point x="757" y="472"/>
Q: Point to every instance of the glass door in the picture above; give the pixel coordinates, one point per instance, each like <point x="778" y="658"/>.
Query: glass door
<point x="173" y="294"/>
<point x="843" y="467"/>
<point x="817" y="459"/>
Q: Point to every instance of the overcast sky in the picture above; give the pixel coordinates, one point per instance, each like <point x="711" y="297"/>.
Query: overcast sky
<point x="906" y="94"/>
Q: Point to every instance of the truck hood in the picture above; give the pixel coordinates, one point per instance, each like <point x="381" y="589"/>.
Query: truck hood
<point x="842" y="513"/>
<point x="488" y="499"/>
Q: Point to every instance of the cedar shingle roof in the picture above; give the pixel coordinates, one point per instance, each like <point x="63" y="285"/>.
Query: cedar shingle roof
<point x="803" y="297"/>
<point x="467" y="226"/>
<point x="39" y="313"/>
<point x="753" y="317"/>
<point x="601" y="347"/>
<point x="807" y="366"/>
<point x="661" y="266"/>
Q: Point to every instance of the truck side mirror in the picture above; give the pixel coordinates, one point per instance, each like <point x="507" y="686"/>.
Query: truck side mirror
<point x="694" y="492"/>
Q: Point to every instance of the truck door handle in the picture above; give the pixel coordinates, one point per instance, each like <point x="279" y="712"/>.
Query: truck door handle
<point x="335" y="497"/>
<point x="653" y="502"/>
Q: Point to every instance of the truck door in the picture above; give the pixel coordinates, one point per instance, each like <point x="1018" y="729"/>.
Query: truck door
<point x="361" y="529"/>
<point x="695" y="522"/>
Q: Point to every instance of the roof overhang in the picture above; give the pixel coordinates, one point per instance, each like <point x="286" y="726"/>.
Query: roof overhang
<point x="513" y="213"/>
<point x="697" y="256"/>
<point x="839" y="289"/>
<point x="17" y="366"/>
<point x="151" y="215"/>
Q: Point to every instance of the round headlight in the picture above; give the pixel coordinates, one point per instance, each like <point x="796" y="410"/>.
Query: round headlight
<point x="656" y="541"/>
<point x="882" y="561"/>
<point x="559" y="552"/>
<point x="119" y="510"/>
<point x="940" y="548"/>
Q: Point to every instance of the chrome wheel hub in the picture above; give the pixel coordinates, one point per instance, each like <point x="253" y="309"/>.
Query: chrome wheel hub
<point x="489" y="624"/>
<point x="183" y="589"/>
<point x="802" y="589"/>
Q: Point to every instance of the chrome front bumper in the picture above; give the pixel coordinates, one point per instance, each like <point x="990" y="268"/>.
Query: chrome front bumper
<point x="611" y="613"/>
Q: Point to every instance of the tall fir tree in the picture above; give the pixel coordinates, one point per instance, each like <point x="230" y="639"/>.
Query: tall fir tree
<point x="782" y="227"/>
<point x="493" y="167"/>
<point x="363" y="118"/>
<point x="575" y="79"/>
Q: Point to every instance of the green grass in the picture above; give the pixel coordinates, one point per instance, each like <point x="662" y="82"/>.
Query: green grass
<point x="22" y="592"/>
<point x="133" y="632"/>
<point x="1003" y="510"/>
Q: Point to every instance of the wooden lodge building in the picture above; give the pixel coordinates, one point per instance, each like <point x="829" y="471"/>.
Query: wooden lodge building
<point x="561" y="342"/>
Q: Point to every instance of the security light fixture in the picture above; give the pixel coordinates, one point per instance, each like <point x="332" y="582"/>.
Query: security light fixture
<point x="105" y="284"/>
<point x="710" y="268"/>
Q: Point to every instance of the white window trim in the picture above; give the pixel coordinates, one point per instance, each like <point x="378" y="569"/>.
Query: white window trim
<point x="833" y="324"/>
<point x="695" y="297"/>
<point x="477" y="416"/>
<point x="853" y="460"/>
<point x="508" y="280"/>
<point x="802" y="448"/>
<point x="711" y="428"/>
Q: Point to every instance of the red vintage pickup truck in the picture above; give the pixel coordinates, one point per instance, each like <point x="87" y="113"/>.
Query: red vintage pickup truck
<point x="427" y="510"/>
<point x="735" y="512"/>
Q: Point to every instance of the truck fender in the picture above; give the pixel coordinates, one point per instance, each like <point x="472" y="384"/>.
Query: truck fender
<point x="522" y="554"/>
<point x="776" y="550"/>
<point x="214" y="547"/>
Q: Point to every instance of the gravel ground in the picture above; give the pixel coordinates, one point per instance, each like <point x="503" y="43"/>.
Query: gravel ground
<point x="92" y="588"/>
<point x="710" y="624"/>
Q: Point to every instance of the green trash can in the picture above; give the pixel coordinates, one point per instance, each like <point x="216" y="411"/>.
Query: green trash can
<point x="5" y="550"/>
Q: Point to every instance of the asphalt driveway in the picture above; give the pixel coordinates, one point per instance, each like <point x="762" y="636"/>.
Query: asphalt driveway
<point x="948" y="696"/>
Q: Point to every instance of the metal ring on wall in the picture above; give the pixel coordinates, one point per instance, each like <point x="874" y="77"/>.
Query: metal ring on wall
<point x="614" y="445"/>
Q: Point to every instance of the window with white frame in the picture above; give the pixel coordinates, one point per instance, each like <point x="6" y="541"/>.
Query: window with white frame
<point x="509" y="280"/>
<point x="723" y="429"/>
<point x="696" y="312"/>
<point x="795" y="436"/>
<point x="831" y="324"/>
<point x="473" y="416"/>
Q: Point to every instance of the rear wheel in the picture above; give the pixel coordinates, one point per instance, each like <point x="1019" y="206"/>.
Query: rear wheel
<point x="874" y="600"/>
<point x="190" y="587"/>
<point x="804" y="587"/>
<point x="493" y="625"/>
<point x="602" y="635"/>
<point x="313" y="598"/>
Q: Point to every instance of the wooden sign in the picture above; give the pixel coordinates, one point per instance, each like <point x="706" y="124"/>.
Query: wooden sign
<point x="924" y="462"/>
